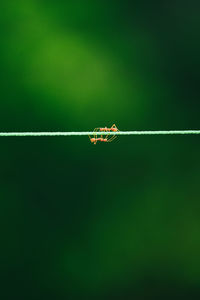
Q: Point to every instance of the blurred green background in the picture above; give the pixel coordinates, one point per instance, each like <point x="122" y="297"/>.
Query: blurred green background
<point x="116" y="221"/>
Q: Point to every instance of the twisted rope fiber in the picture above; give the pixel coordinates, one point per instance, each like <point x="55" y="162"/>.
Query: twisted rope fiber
<point x="82" y="133"/>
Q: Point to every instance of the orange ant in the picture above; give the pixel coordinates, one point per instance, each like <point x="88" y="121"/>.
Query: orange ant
<point x="113" y="128"/>
<point x="95" y="139"/>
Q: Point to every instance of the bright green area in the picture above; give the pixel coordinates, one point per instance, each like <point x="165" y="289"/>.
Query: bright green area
<point x="111" y="221"/>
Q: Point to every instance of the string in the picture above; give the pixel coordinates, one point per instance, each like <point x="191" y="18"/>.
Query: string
<point x="83" y="133"/>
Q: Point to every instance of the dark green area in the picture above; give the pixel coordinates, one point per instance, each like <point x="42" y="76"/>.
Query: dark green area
<point x="111" y="221"/>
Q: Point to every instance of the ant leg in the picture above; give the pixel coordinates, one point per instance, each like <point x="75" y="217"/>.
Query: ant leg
<point x="90" y="138"/>
<point x="95" y="130"/>
<point x="115" y="127"/>
<point x="112" y="138"/>
<point x="106" y="137"/>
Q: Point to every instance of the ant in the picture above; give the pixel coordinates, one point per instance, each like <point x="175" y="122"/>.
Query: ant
<point x="95" y="140"/>
<point x="113" y="128"/>
<point x="107" y="138"/>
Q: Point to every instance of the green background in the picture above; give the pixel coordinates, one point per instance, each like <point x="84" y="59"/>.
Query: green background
<point x="111" y="221"/>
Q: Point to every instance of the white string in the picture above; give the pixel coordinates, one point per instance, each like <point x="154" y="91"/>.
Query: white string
<point x="82" y="133"/>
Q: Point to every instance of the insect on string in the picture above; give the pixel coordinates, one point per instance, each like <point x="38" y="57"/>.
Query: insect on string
<point x="107" y="138"/>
